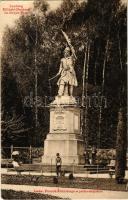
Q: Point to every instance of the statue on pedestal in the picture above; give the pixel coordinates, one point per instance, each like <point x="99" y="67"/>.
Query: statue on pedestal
<point x="67" y="80"/>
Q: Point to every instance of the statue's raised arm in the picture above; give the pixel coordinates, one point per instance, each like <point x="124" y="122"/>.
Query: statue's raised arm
<point x="69" y="44"/>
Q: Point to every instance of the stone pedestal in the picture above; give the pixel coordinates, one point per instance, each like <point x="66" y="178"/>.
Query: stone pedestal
<point x="64" y="136"/>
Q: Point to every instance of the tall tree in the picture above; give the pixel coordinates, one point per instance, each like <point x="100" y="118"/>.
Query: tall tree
<point x="121" y="146"/>
<point x="121" y="142"/>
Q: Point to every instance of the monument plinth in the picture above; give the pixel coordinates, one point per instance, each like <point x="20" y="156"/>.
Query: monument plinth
<point x="64" y="136"/>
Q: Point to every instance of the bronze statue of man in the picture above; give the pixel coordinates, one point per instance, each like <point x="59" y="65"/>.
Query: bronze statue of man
<point x="67" y="79"/>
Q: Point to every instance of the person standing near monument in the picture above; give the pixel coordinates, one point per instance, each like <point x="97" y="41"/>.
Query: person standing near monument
<point x="86" y="157"/>
<point x="58" y="164"/>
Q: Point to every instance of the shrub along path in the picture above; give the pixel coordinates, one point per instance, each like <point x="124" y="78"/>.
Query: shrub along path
<point x="77" y="182"/>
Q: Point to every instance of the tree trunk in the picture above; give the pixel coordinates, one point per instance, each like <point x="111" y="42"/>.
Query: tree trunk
<point x="121" y="146"/>
<point x="84" y="123"/>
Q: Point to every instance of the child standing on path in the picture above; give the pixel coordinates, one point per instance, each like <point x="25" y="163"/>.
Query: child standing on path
<point x="58" y="164"/>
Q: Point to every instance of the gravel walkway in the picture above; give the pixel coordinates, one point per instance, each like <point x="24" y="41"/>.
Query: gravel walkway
<point x="72" y="193"/>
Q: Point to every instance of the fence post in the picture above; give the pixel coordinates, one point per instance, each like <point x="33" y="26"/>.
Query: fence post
<point x="51" y="166"/>
<point x="30" y="150"/>
<point x="11" y="150"/>
<point x="73" y="166"/>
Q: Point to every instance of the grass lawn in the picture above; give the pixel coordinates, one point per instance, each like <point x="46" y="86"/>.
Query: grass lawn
<point x="11" y="194"/>
<point x="83" y="183"/>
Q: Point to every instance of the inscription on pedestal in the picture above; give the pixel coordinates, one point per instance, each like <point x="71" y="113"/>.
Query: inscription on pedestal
<point x="59" y="122"/>
<point x="64" y="120"/>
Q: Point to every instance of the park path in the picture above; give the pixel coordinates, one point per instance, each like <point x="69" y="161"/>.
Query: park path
<point x="72" y="193"/>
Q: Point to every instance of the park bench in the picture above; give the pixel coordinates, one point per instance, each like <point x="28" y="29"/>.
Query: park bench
<point x="27" y="168"/>
<point x="6" y="163"/>
<point x="111" y="167"/>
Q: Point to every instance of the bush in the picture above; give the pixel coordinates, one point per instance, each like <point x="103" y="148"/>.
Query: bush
<point x="71" y="177"/>
<point x="11" y="194"/>
<point x="55" y="180"/>
<point x="103" y="157"/>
